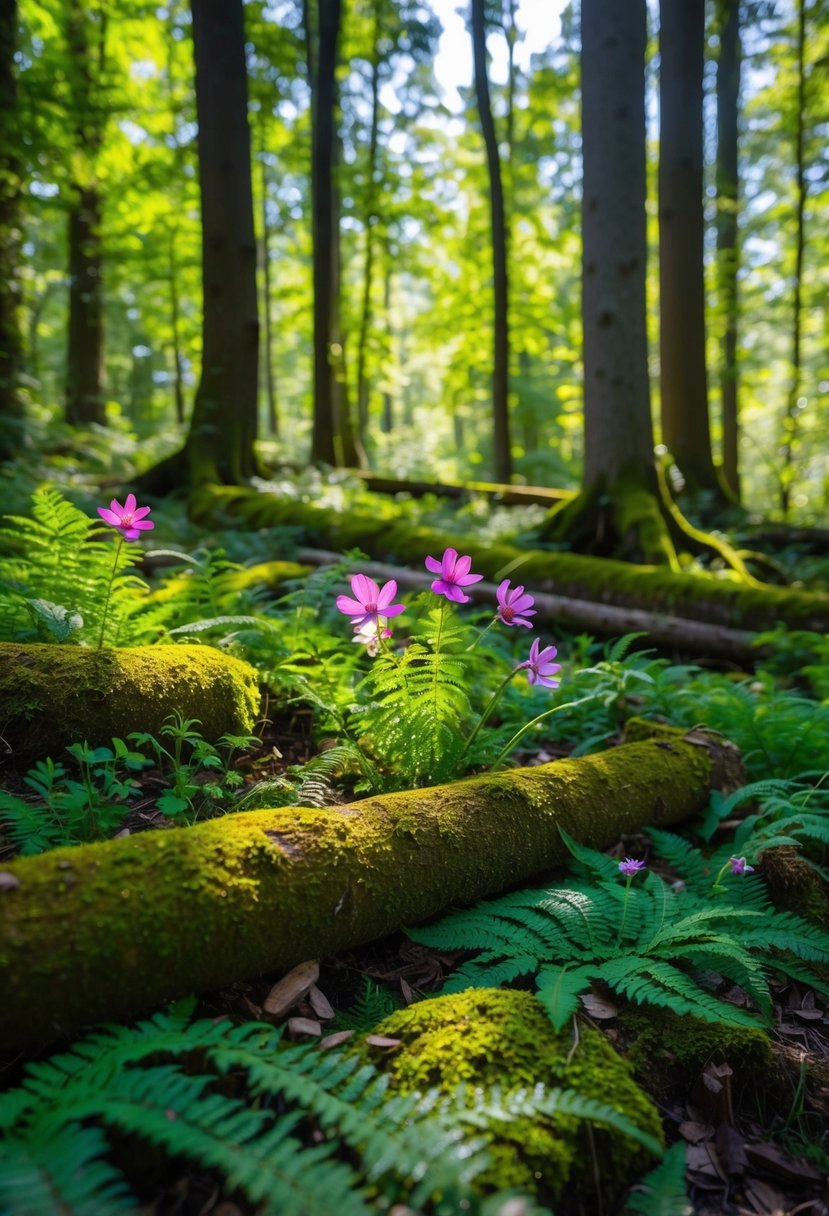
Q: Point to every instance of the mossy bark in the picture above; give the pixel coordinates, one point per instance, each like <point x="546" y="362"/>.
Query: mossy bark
<point x="54" y="695"/>
<point x="717" y="600"/>
<point x="103" y="930"/>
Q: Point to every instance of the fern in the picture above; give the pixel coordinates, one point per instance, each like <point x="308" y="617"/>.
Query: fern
<point x="270" y="1120"/>
<point x="57" y="564"/>
<point x="651" y="943"/>
<point x="419" y="706"/>
<point x="662" y="1192"/>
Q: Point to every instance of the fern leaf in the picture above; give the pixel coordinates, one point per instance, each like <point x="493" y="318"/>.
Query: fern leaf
<point x="662" y="1192"/>
<point x="559" y="989"/>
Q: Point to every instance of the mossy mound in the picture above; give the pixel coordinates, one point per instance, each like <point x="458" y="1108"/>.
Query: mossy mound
<point x="54" y="695"/>
<point x="668" y="1051"/>
<point x="487" y="1037"/>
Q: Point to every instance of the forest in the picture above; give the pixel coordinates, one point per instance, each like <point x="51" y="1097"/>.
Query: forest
<point x="414" y="608"/>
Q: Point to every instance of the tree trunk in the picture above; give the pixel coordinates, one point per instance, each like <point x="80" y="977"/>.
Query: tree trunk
<point x="321" y="51"/>
<point x="728" y="102"/>
<point x="263" y="890"/>
<point x="223" y="426"/>
<point x="368" y="223"/>
<point x="267" y="301"/>
<point x="617" y="419"/>
<point x="684" y="389"/>
<point x="387" y="421"/>
<point x="500" y="366"/>
<point x="11" y="346"/>
<point x="175" y="326"/>
<point x="790" y="420"/>
<point x="85" y="330"/>
<point x="85" y="353"/>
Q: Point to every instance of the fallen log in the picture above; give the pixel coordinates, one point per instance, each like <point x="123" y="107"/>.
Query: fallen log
<point x="584" y="615"/>
<point x="724" y="601"/>
<point x="104" y="930"/>
<point x="504" y="495"/>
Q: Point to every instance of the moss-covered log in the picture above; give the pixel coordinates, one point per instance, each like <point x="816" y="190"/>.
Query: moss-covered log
<point x="700" y="597"/>
<point x="506" y="495"/>
<point x="106" y="929"/>
<point x="54" y="695"/>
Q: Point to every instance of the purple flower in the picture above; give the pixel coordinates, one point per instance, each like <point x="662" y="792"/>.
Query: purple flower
<point x="129" y="519"/>
<point x="370" y="601"/>
<point x="369" y="634"/>
<point x="454" y="574"/>
<point x="514" y="606"/>
<point x="630" y="866"/>
<point x="740" y="866"/>
<point x="540" y="665"/>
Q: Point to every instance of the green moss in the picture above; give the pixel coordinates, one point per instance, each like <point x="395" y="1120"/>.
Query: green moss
<point x="719" y="600"/>
<point x="667" y="1050"/>
<point x="486" y="1037"/>
<point x="53" y="695"/>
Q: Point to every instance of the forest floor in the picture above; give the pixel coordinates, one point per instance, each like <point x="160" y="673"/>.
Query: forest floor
<point x="754" y="1133"/>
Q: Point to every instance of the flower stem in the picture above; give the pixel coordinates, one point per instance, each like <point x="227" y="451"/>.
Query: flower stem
<point x="519" y="735"/>
<point x="493" y="701"/>
<point x="628" y="881"/>
<point x="118" y="548"/>
<point x="481" y="635"/>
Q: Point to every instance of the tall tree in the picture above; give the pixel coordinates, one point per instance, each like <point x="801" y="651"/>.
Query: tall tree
<point x="500" y="275"/>
<point x="223" y="426"/>
<point x="727" y="182"/>
<point x="86" y="35"/>
<point x="10" y="170"/>
<point x="617" y="417"/>
<point x="790" y="419"/>
<point x="332" y="438"/>
<point x="683" y="381"/>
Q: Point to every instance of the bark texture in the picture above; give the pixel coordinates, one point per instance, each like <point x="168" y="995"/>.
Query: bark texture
<point x="500" y="276"/>
<point x="155" y="916"/>
<point x="684" y="388"/>
<point x="223" y="426"/>
<point x="617" y="418"/>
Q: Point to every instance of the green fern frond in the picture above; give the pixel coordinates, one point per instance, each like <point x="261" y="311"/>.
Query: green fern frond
<point x="662" y="1192"/>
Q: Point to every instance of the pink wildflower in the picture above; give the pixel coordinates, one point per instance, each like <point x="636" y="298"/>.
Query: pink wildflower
<point x="370" y="601"/>
<point x="740" y="866"/>
<point x="514" y="606"/>
<point x="370" y="633"/>
<point x="129" y="519"/>
<point x="540" y="665"/>
<point x="454" y="574"/>
<point x="630" y="866"/>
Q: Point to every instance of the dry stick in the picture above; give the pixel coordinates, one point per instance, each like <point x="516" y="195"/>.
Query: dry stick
<point x="105" y="930"/>
<point x="582" y="614"/>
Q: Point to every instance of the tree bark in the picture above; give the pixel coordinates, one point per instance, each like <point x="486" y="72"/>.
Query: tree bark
<point x="321" y="52"/>
<point x="684" y="388"/>
<point x="263" y="890"/>
<point x="11" y="342"/>
<point x="85" y="330"/>
<point x="790" y="420"/>
<point x="267" y="300"/>
<point x="617" y="418"/>
<point x="368" y="223"/>
<point x="223" y="427"/>
<point x="500" y="275"/>
<point x="728" y="192"/>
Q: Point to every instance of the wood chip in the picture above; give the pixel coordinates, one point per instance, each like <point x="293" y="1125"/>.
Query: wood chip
<point x="379" y="1040"/>
<point x="765" y="1200"/>
<point x="291" y="989"/>
<point x="303" y="1026"/>
<point x="769" y="1159"/>
<point x="407" y="992"/>
<point x="320" y="1004"/>
<point x="334" y="1040"/>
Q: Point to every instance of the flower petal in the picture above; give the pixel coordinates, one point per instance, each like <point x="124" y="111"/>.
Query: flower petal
<point x="350" y="607"/>
<point x="141" y="512"/>
<point x="433" y="565"/>
<point x="365" y="589"/>
<point x="142" y="524"/>
<point x="466" y="579"/>
<point x="387" y="593"/>
<point x="447" y="565"/>
<point x="462" y="566"/>
<point x="109" y="516"/>
<point x="454" y="593"/>
<point x="394" y="609"/>
<point x="130" y="503"/>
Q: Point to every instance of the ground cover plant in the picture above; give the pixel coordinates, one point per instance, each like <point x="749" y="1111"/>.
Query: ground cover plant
<point x="396" y="691"/>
